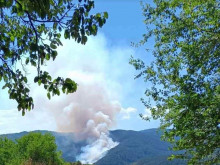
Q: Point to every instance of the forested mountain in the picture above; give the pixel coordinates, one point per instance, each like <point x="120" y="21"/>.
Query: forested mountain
<point x="135" y="148"/>
<point x="138" y="148"/>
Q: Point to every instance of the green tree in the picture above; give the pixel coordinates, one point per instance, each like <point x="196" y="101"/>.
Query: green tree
<point x="39" y="148"/>
<point x="33" y="148"/>
<point x="77" y="163"/>
<point x="30" y="33"/>
<point x="8" y="151"/>
<point x="185" y="75"/>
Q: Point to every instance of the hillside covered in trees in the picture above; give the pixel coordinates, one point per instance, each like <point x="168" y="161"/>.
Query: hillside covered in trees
<point x="135" y="147"/>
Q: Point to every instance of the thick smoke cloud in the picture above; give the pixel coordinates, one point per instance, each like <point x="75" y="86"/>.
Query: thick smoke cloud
<point x="88" y="112"/>
<point x="91" y="111"/>
<point x="102" y="73"/>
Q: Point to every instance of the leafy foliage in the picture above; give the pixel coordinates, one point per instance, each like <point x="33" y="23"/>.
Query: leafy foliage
<point x="30" y="34"/>
<point x="33" y="147"/>
<point x="8" y="152"/>
<point x="39" y="148"/>
<point x="185" y="75"/>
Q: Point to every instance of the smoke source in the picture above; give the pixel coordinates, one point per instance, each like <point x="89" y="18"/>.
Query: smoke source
<point x="99" y="147"/>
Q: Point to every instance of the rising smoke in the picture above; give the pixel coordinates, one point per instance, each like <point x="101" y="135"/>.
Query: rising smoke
<point x="99" y="147"/>
<point x="91" y="111"/>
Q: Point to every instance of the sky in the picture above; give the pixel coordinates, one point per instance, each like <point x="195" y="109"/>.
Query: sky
<point x="105" y="78"/>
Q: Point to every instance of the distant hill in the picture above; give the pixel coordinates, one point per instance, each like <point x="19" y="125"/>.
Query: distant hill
<point x="138" y="148"/>
<point x="135" y="148"/>
<point x="158" y="160"/>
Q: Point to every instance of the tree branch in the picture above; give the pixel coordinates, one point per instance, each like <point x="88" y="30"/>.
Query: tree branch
<point x="35" y="31"/>
<point x="54" y="21"/>
<point x="5" y="62"/>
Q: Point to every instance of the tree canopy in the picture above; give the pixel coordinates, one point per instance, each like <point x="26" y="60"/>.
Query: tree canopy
<point x="34" y="148"/>
<point x="39" y="148"/>
<point x="30" y="32"/>
<point x="185" y="75"/>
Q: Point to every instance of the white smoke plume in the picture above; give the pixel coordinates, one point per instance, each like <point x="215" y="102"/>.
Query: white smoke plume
<point x="87" y="113"/>
<point x="100" y="147"/>
<point x="91" y="111"/>
<point x="104" y="78"/>
<point x="101" y="72"/>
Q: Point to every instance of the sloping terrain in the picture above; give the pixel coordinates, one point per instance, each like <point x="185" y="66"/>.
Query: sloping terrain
<point x="138" y="148"/>
<point x="135" y="148"/>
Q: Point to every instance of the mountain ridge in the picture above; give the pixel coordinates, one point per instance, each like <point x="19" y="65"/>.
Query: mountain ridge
<point x="135" y="147"/>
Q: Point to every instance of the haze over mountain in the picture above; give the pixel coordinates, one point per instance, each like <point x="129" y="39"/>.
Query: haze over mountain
<point x="134" y="148"/>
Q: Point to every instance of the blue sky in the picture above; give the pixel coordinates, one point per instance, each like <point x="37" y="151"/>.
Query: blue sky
<point x="125" y="23"/>
<point x="102" y="64"/>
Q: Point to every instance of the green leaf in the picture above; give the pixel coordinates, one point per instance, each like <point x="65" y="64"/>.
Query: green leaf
<point x="55" y="26"/>
<point x="23" y="112"/>
<point x="33" y="47"/>
<point x="48" y="95"/>
<point x="12" y="38"/>
<point x="66" y="34"/>
<point x="36" y="79"/>
<point x="84" y="40"/>
<point x="53" y="46"/>
<point x="27" y="61"/>
<point x="106" y="15"/>
<point x="25" y="79"/>
<point x="47" y="56"/>
<point x="39" y="82"/>
<point x="98" y="15"/>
